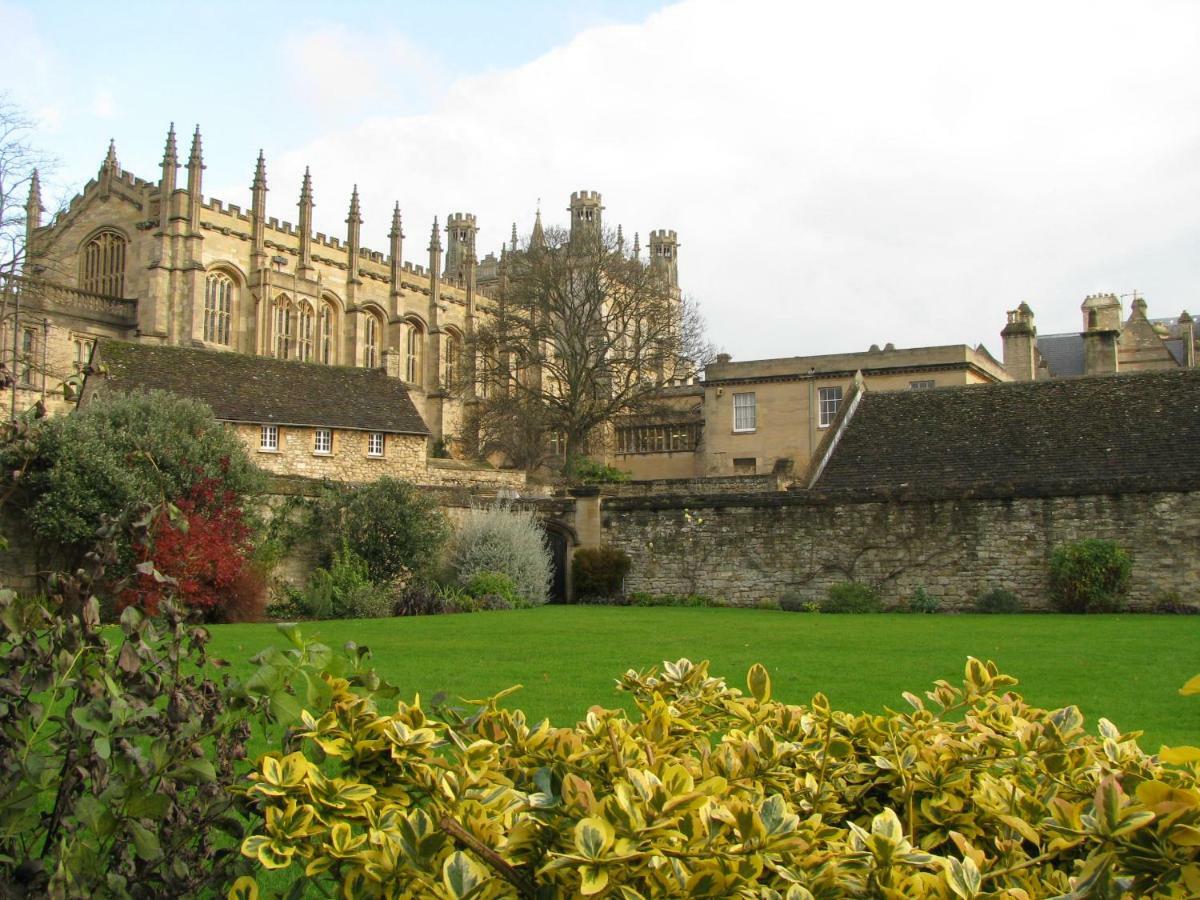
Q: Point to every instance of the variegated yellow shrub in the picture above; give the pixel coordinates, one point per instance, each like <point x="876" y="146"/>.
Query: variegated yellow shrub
<point x="711" y="792"/>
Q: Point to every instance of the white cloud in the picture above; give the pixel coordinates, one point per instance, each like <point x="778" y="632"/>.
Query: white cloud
<point x="839" y="174"/>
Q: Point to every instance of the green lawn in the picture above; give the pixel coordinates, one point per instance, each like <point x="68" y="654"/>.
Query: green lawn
<point x="1127" y="668"/>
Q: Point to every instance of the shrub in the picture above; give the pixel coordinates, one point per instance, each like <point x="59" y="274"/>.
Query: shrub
<point x="508" y="541"/>
<point x="921" y="602"/>
<point x="118" y="452"/>
<point x="851" y="597"/>
<point x="590" y="471"/>
<point x="792" y="601"/>
<point x="599" y="571"/>
<point x="492" y="585"/>
<point x="389" y="524"/>
<point x="1089" y="576"/>
<point x="203" y="546"/>
<point x="971" y="793"/>
<point x="423" y="600"/>
<point x="116" y="766"/>
<point x="345" y="590"/>
<point x="1172" y="603"/>
<point x="998" y="600"/>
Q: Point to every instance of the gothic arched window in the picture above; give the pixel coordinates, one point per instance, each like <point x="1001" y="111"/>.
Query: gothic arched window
<point x="283" y="327"/>
<point x="102" y="265"/>
<point x="304" y="333"/>
<point x="218" y="307"/>
<point x="371" y="341"/>
<point x="454" y="346"/>
<point x="412" y="354"/>
<point x="327" y="334"/>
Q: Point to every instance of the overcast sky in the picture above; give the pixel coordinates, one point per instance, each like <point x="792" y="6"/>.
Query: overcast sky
<point x="840" y="174"/>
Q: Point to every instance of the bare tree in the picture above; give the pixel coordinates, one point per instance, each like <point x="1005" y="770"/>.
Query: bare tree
<point x="580" y="334"/>
<point x="18" y="166"/>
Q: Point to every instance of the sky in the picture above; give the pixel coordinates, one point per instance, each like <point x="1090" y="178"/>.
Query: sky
<point x="839" y="174"/>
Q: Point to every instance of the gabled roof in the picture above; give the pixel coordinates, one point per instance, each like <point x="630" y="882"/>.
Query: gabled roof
<point x="1062" y="353"/>
<point x="1100" y="434"/>
<point x="244" y="388"/>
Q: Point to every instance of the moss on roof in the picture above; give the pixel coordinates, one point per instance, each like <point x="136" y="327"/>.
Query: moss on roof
<point x="244" y="388"/>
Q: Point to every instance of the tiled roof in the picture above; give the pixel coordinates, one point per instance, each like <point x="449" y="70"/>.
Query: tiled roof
<point x="1101" y="434"/>
<point x="1063" y="353"/>
<point x="244" y="388"/>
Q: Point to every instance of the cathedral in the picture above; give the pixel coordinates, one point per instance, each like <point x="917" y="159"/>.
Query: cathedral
<point x="158" y="262"/>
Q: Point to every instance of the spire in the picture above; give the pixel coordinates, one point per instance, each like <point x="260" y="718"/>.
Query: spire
<point x="306" y="188"/>
<point x="620" y="239"/>
<point x="435" y="237"/>
<point x="353" y="223"/>
<point x="196" y="159"/>
<point x="396" y="236"/>
<point x="33" y="209"/>
<point x="169" y="158"/>
<point x="538" y="238"/>
<point x="110" y="158"/>
<point x="637" y="247"/>
<point x="305" y="268"/>
<point x="260" y="174"/>
<point x="514" y="238"/>
<point x="397" y="230"/>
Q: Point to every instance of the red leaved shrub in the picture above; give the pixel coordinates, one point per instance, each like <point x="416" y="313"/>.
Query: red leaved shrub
<point x="205" y="550"/>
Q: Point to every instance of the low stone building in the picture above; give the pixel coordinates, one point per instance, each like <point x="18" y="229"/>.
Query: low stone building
<point x="295" y="418"/>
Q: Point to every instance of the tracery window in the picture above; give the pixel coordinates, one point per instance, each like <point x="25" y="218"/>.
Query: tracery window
<point x="412" y="355"/>
<point x="304" y="334"/>
<point x="218" y="307"/>
<point x="325" y="335"/>
<point x="371" y="342"/>
<point x="102" y="265"/>
<point x="453" y="359"/>
<point x="283" y="327"/>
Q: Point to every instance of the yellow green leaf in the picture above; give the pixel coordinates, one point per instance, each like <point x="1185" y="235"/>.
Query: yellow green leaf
<point x="592" y="879"/>
<point x="1179" y="756"/>
<point x="759" y="683"/>
<point x="593" y="836"/>
<point x="1192" y="686"/>
<point x="245" y="888"/>
<point x="461" y="875"/>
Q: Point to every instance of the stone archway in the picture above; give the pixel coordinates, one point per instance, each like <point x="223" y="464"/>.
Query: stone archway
<point x="562" y="540"/>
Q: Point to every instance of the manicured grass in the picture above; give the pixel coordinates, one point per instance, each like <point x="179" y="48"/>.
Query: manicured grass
<point x="1127" y="668"/>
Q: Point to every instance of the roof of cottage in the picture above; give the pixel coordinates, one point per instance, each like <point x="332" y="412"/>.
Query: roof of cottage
<point x="1105" y="433"/>
<point x="244" y="388"/>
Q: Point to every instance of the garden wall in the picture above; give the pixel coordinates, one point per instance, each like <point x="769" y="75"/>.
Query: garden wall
<point x="750" y="547"/>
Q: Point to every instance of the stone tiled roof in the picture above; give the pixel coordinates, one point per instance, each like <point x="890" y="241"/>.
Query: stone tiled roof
<point x="244" y="388"/>
<point x="1102" y="434"/>
<point x="1063" y="353"/>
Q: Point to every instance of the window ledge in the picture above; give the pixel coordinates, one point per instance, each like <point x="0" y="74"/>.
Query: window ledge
<point x="744" y="430"/>
<point x="322" y="453"/>
<point x="376" y="456"/>
<point x="268" y="450"/>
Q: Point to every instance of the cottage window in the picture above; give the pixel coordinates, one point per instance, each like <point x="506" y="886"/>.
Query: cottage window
<point x="218" y="307"/>
<point x="745" y="412"/>
<point x="269" y="439"/>
<point x="830" y="400"/>
<point x="102" y="265"/>
<point x="375" y="443"/>
<point x="925" y="384"/>
<point x="323" y="440"/>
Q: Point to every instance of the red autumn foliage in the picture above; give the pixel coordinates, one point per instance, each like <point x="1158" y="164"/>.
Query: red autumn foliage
<point x="207" y="555"/>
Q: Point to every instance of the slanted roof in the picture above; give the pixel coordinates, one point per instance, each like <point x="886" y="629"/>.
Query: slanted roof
<point x="243" y="388"/>
<point x="1063" y="353"/>
<point x="1100" y="434"/>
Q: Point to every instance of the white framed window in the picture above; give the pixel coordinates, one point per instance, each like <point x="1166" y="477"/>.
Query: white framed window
<point x="375" y="443"/>
<point x="745" y="412"/>
<point x="83" y="351"/>
<point x="269" y="438"/>
<point x="830" y="399"/>
<point x="323" y="440"/>
<point x="925" y="384"/>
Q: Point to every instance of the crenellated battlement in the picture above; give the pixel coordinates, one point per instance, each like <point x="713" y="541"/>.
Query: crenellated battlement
<point x="460" y="220"/>
<point x="664" y="236"/>
<point x="585" y="198"/>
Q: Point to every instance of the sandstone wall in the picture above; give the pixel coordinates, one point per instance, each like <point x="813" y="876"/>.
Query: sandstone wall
<point x="746" y="548"/>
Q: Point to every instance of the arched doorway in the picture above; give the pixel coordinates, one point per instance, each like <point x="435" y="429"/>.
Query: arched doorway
<point x="560" y="537"/>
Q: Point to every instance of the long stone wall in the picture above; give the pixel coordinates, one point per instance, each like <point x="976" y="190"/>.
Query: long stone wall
<point x="752" y="547"/>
